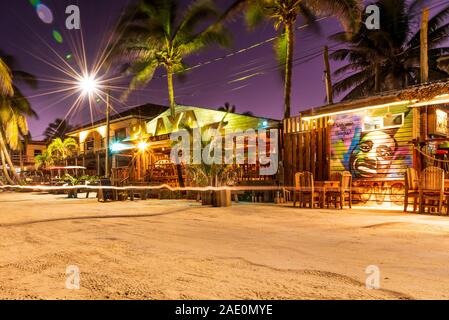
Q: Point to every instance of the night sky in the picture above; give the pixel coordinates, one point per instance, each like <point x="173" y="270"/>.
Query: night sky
<point x="29" y="39"/>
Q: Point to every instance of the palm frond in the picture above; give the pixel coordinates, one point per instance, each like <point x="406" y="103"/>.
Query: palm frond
<point x="349" y="12"/>
<point x="5" y="80"/>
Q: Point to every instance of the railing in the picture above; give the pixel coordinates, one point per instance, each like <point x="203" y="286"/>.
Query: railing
<point x="91" y="151"/>
<point x="16" y="158"/>
<point x="297" y="124"/>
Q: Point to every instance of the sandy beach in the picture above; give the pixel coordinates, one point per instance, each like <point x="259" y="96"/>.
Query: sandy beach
<point x="181" y="250"/>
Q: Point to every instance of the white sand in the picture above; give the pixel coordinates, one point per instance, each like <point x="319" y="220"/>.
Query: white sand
<point x="180" y="250"/>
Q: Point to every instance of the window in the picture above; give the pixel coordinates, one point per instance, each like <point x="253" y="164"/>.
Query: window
<point x="90" y="145"/>
<point x="120" y="134"/>
<point x="384" y="122"/>
<point x="37" y="152"/>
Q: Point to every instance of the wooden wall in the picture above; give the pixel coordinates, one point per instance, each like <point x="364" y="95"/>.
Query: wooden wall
<point x="344" y="142"/>
<point x="372" y="153"/>
<point x="306" y="150"/>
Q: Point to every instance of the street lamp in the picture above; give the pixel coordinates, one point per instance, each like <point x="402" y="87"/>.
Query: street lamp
<point x="89" y="86"/>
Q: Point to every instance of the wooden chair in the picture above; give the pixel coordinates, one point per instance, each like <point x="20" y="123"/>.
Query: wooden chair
<point x="343" y="193"/>
<point x="431" y="192"/>
<point x="411" y="188"/>
<point x="305" y="189"/>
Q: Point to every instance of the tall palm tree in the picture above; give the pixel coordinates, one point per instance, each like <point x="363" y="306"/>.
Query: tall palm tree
<point x="14" y="110"/>
<point x="57" y="129"/>
<point x="284" y="14"/>
<point x="60" y="149"/>
<point x="389" y="58"/>
<point x="155" y="33"/>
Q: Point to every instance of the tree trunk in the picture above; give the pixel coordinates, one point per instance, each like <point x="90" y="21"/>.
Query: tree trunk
<point x="8" y="159"/>
<point x="288" y="69"/>
<point x="171" y="92"/>
<point x="5" y="171"/>
<point x="377" y="78"/>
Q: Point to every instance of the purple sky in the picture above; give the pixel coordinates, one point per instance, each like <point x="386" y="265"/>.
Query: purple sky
<point x="25" y="36"/>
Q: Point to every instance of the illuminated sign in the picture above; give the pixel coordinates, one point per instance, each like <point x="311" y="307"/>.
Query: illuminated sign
<point x="441" y="122"/>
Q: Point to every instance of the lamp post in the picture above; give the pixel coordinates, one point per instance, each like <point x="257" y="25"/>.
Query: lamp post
<point x="108" y="139"/>
<point x="89" y="86"/>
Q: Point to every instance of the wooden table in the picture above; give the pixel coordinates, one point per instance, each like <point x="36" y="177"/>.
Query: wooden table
<point x="323" y="187"/>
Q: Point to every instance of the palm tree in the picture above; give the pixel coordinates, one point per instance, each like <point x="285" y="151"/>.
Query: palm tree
<point x="14" y="110"/>
<point x="389" y="58"/>
<point x="60" y="149"/>
<point x="43" y="160"/>
<point x="228" y="108"/>
<point x="154" y="33"/>
<point x="284" y="14"/>
<point x="232" y="109"/>
<point x="5" y="80"/>
<point x="57" y="129"/>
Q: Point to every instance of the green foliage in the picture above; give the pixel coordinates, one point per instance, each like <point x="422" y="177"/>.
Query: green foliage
<point x="155" y="33"/>
<point x="284" y="13"/>
<point x="393" y="52"/>
<point x="14" y="107"/>
<point x="62" y="149"/>
<point x="14" y="110"/>
<point x="228" y="108"/>
<point x="43" y="160"/>
<point x="78" y="181"/>
<point x="5" y="80"/>
<point x="215" y="175"/>
<point x="57" y="129"/>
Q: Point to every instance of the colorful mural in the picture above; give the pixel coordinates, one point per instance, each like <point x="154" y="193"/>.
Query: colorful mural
<point x="372" y="144"/>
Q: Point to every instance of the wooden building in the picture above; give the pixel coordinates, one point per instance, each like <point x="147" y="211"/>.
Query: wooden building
<point x="375" y="138"/>
<point x="141" y="146"/>
<point x="92" y="137"/>
<point x="24" y="159"/>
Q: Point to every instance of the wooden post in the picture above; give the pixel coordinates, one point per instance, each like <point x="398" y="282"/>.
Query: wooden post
<point x="424" y="46"/>
<point x="107" y="166"/>
<point x="330" y="99"/>
<point x="424" y="67"/>
<point x="98" y="164"/>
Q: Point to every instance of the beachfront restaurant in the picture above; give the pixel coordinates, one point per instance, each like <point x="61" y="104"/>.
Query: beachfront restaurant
<point x="375" y="139"/>
<point x="149" y="149"/>
<point x="140" y="143"/>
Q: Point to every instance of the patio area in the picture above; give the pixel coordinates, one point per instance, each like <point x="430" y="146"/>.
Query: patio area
<point x="180" y="250"/>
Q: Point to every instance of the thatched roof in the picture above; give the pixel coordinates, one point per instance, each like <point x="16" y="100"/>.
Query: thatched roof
<point x="420" y="93"/>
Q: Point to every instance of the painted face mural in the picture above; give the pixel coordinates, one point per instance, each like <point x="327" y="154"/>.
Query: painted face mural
<point x="373" y="155"/>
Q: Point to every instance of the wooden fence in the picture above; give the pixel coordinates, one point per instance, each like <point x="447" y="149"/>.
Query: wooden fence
<point x="306" y="148"/>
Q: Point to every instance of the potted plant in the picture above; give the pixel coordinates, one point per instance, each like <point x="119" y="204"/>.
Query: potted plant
<point x="212" y="175"/>
<point x="74" y="181"/>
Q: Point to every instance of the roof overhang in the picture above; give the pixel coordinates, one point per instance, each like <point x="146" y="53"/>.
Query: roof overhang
<point x="422" y="95"/>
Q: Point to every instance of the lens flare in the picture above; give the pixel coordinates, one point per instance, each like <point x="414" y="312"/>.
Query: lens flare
<point x="88" y="85"/>
<point x="44" y="13"/>
<point x="57" y="36"/>
<point x="35" y="3"/>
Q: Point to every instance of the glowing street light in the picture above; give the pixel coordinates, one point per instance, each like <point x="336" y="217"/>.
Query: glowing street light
<point x="89" y="86"/>
<point x="142" y="146"/>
